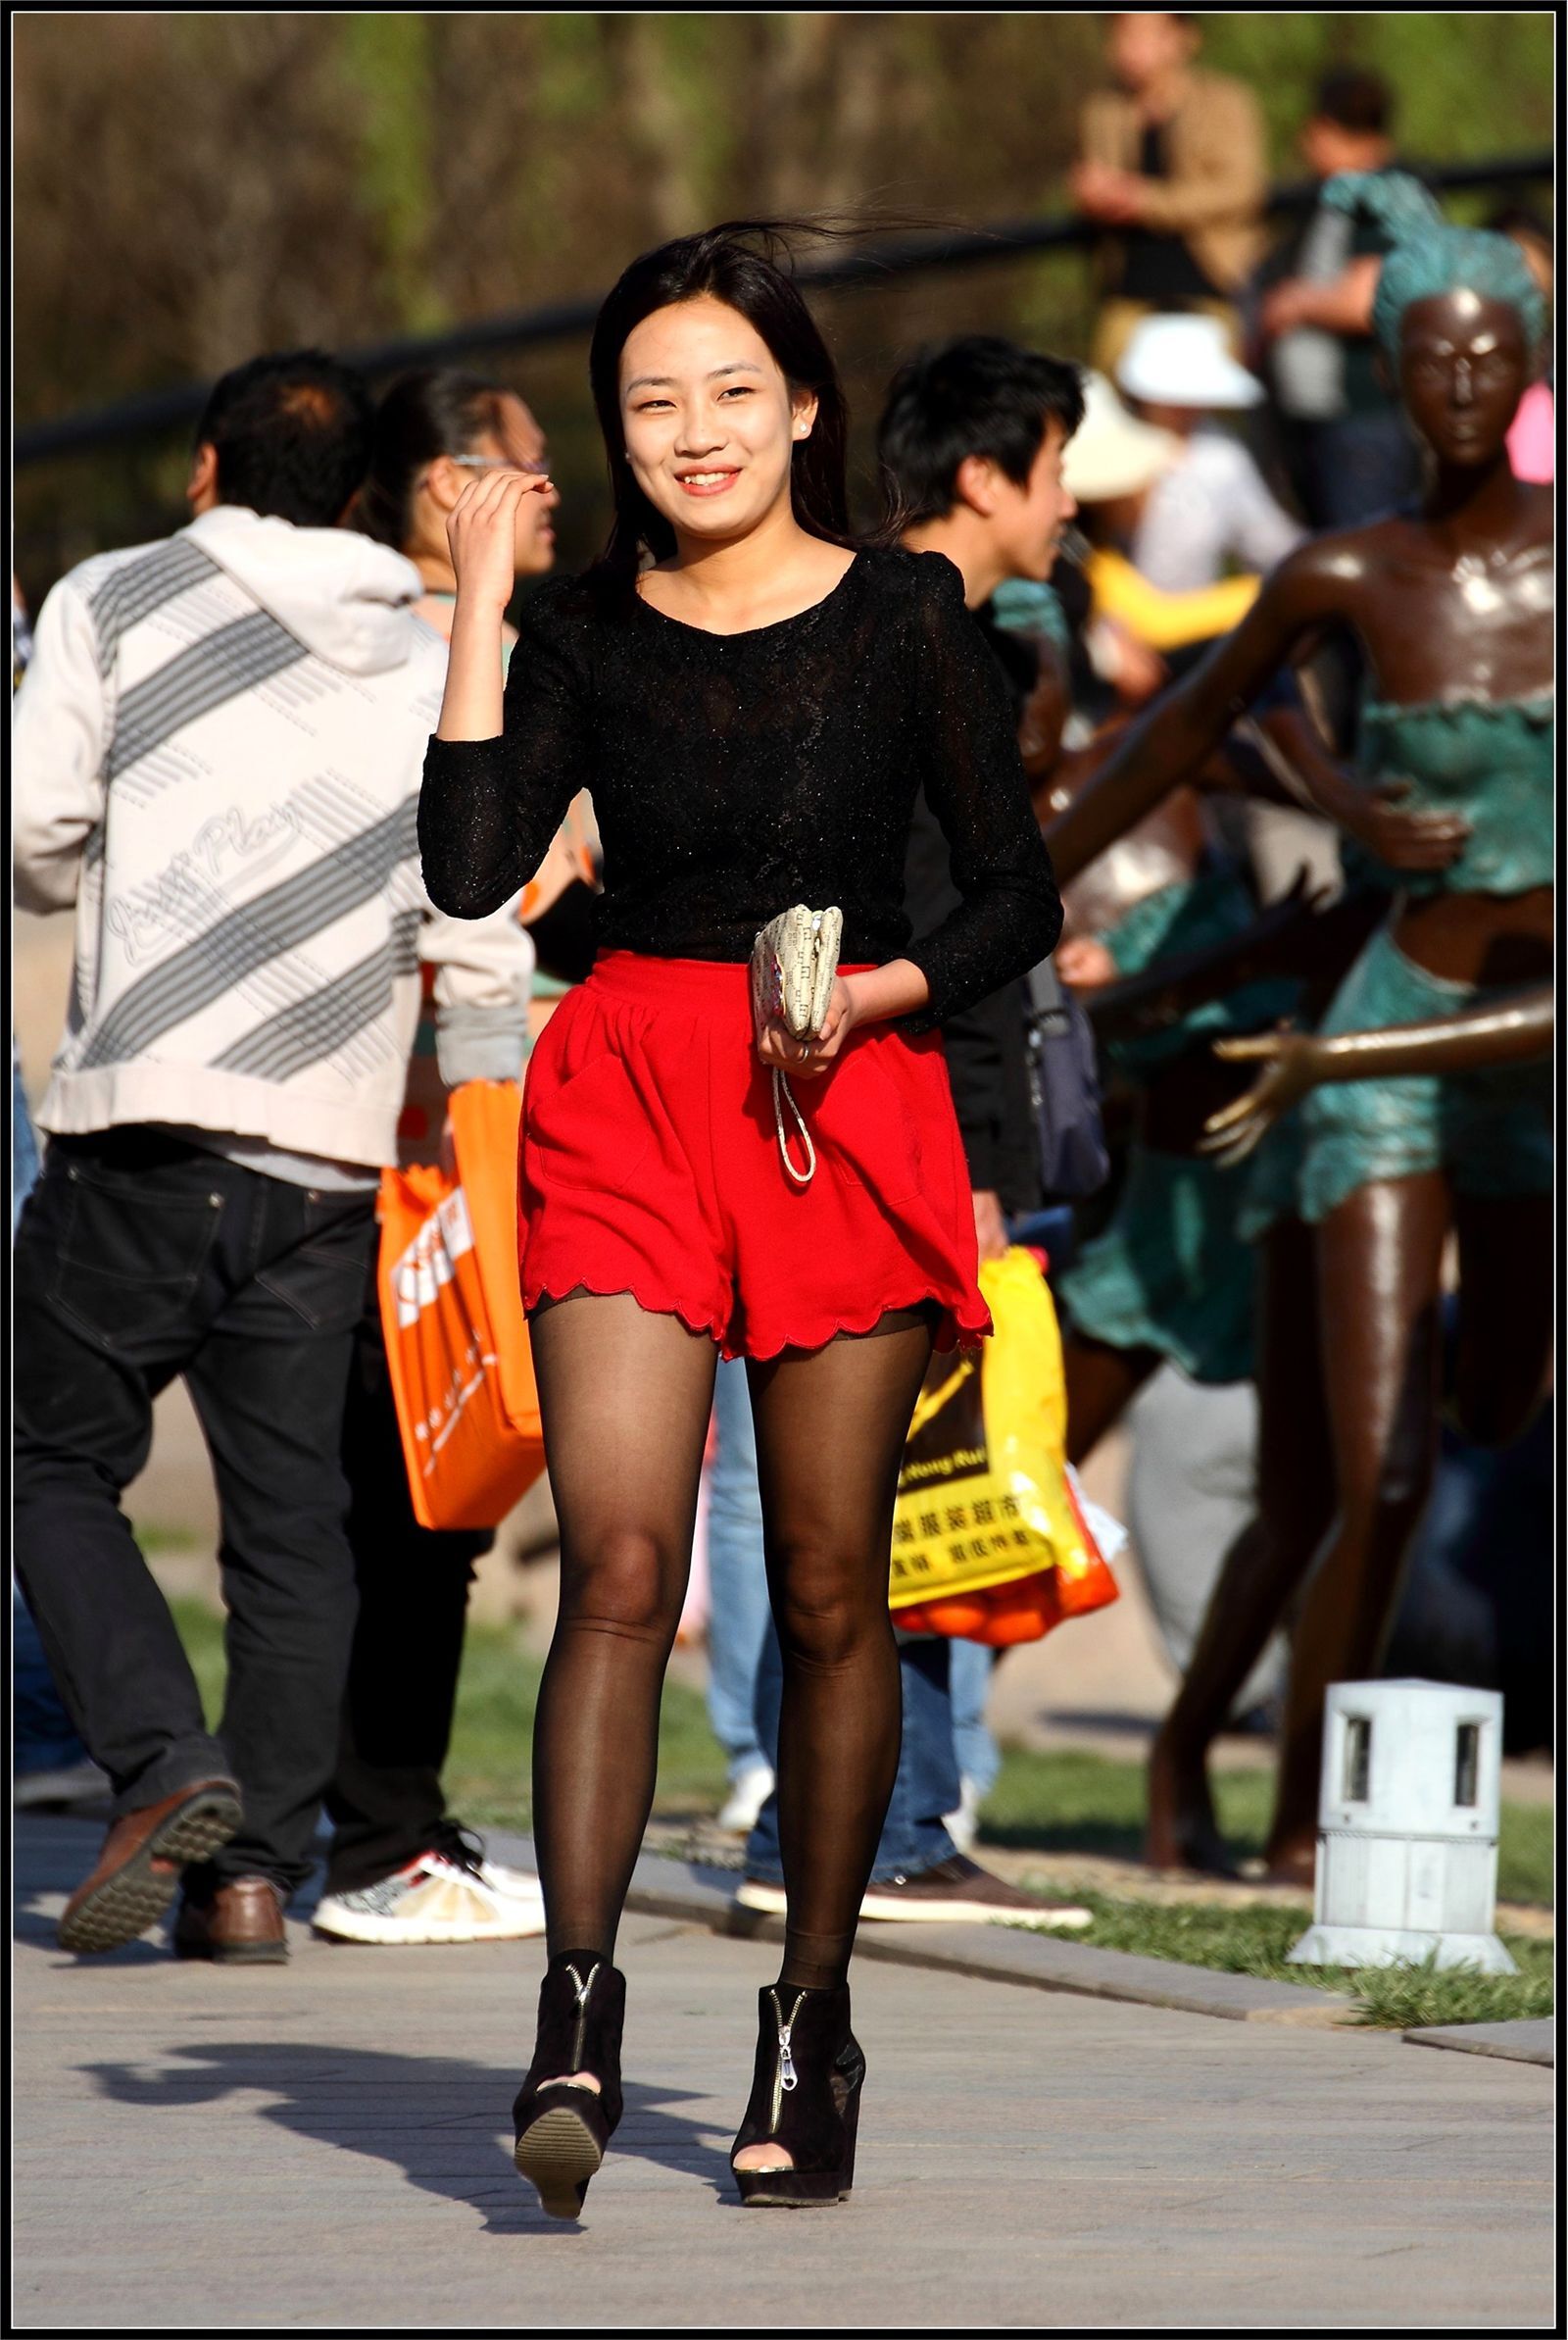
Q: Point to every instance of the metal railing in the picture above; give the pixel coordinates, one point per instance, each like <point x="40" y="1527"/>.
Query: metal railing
<point x="154" y="411"/>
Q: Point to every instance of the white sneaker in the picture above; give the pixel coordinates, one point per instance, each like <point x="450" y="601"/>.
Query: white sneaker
<point x="963" y="1825"/>
<point x="747" y="1794"/>
<point x="436" y="1900"/>
<point x="513" y="1884"/>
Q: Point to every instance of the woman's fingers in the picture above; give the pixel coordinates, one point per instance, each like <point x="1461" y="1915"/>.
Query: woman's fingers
<point x="808" y="1059"/>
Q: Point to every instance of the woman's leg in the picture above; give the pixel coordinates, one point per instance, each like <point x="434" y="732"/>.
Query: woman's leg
<point x="830" y="1433"/>
<point x="1380" y="1261"/>
<point x="624" y="1398"/>
<point x="1265" y="1565"/>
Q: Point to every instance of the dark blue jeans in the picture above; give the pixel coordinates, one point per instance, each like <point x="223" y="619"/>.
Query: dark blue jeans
<point x="139" y="1258"/>
<point x="927" y="1785"/>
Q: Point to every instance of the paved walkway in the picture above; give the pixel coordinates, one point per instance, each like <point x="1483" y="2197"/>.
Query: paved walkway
<point x="328" y="2145"/>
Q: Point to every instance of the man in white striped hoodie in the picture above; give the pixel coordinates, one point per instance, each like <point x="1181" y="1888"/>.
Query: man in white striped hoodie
<point x="217" y="759"/>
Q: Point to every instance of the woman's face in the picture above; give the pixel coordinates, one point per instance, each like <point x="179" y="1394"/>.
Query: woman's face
<point x="516" y="438"/>
<point x="1463" y="369"/>
<point x="709" y="420"/>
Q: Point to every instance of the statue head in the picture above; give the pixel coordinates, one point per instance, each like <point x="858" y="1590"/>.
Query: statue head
<point x="1458" y="317"/>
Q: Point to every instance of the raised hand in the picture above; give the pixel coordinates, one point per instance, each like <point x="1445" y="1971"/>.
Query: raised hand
<point x="483" y="534"/>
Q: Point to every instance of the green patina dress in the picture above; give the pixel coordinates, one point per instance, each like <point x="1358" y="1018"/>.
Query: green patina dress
<point x="1492" y="762"/>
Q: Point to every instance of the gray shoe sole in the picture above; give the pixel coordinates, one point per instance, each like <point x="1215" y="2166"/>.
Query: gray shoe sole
<point x="559" y="2153"/>
<point x="138" y="1894"/>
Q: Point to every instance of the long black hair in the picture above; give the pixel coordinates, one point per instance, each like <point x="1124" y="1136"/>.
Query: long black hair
<point x="748" y="264"/>
<point x="438" y="411"/>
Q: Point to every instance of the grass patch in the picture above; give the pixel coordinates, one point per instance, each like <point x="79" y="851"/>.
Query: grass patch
<point x="1255" y="1939"/>
<point x="155" y="1540"/>
<point x="1061" y="1803"/>
<point x="1073" y="1803"/>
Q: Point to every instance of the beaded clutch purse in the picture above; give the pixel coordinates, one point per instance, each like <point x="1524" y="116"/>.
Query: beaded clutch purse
<point x="794" y="962"/>
<point x="794" y="959"/>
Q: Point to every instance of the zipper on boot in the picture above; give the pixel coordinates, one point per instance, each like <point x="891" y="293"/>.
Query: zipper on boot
<point x="580" y="2036"/>
<point x="785" y="2076"/>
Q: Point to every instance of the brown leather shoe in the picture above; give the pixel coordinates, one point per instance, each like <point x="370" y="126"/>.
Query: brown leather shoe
<point x="242" y="1925"/>
<point x="139" y="1868"/>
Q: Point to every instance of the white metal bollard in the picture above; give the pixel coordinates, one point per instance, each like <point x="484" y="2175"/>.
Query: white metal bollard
<point x="1407" y="1829"/>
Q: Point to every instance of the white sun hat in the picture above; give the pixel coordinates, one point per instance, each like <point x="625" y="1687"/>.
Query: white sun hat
<point x="1111" y="453"/>
<point x="1184" y="361"/>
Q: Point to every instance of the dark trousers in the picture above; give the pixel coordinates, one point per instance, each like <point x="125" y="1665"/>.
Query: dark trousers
<point x="386" y="1800"/>
<point x="139" y="1258"/>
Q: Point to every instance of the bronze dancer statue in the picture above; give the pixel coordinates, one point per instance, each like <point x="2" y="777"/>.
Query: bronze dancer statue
<point x="1452" y="606"/>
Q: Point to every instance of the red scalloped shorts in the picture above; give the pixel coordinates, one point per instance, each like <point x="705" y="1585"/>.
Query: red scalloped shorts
<point x="650" y="1165"/>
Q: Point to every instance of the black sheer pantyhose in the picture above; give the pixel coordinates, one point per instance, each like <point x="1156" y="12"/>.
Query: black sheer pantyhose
<point x="625" y="1397"/>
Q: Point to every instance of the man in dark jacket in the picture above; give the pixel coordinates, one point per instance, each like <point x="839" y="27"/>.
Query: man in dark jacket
<point x="971" y="443"/>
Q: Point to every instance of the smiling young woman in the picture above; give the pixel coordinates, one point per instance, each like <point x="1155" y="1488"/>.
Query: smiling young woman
<point x="755" y="700"/>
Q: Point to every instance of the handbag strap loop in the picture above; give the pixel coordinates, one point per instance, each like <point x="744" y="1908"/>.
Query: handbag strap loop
<point x="781" y="1084"/>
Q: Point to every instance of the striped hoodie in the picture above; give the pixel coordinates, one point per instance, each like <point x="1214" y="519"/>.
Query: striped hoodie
<point x="217" y="758"/>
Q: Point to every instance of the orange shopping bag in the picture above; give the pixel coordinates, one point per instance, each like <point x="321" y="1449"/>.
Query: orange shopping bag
<point x="452" y="1314"/>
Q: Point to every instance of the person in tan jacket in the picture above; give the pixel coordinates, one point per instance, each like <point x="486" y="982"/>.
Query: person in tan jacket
<point x="1172" y="166"/>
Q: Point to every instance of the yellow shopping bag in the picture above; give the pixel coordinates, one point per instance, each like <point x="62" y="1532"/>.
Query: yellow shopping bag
<point x="989" y="1540"/>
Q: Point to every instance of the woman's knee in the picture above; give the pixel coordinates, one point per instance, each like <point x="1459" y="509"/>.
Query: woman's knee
<point x="825" y="1612"/>
<point x="628" y="1580"/>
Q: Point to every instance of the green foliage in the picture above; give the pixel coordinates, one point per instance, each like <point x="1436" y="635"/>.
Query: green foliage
<point x="342" y="179"/>
<point x="1073" y="1803"/>
<point x="572" y="84"/>
<point x="201" y="1630"/>
<point x="1410" y="1998"/>
<point x="386" y="63"/>
<point x="1466" y="85"/>
<point x="1256" y="1940"/>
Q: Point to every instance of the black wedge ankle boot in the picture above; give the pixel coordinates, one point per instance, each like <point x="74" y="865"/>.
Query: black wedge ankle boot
<point x="563" y="2126"/>
<point x="805" y="2099"/>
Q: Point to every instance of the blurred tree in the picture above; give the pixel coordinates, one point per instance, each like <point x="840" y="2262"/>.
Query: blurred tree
<point x="386" y="67"/>
<point x="191" y="186"/>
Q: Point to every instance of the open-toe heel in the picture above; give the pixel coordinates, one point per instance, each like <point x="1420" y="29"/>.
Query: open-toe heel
<point x="563" y="2126"/>
<point x="805" y="2099"/>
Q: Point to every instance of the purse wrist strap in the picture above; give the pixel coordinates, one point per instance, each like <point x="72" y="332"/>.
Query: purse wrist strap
<point x="782" y="1090"/>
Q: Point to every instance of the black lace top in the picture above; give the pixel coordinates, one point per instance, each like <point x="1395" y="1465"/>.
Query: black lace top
<point x="734" y="774"/>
